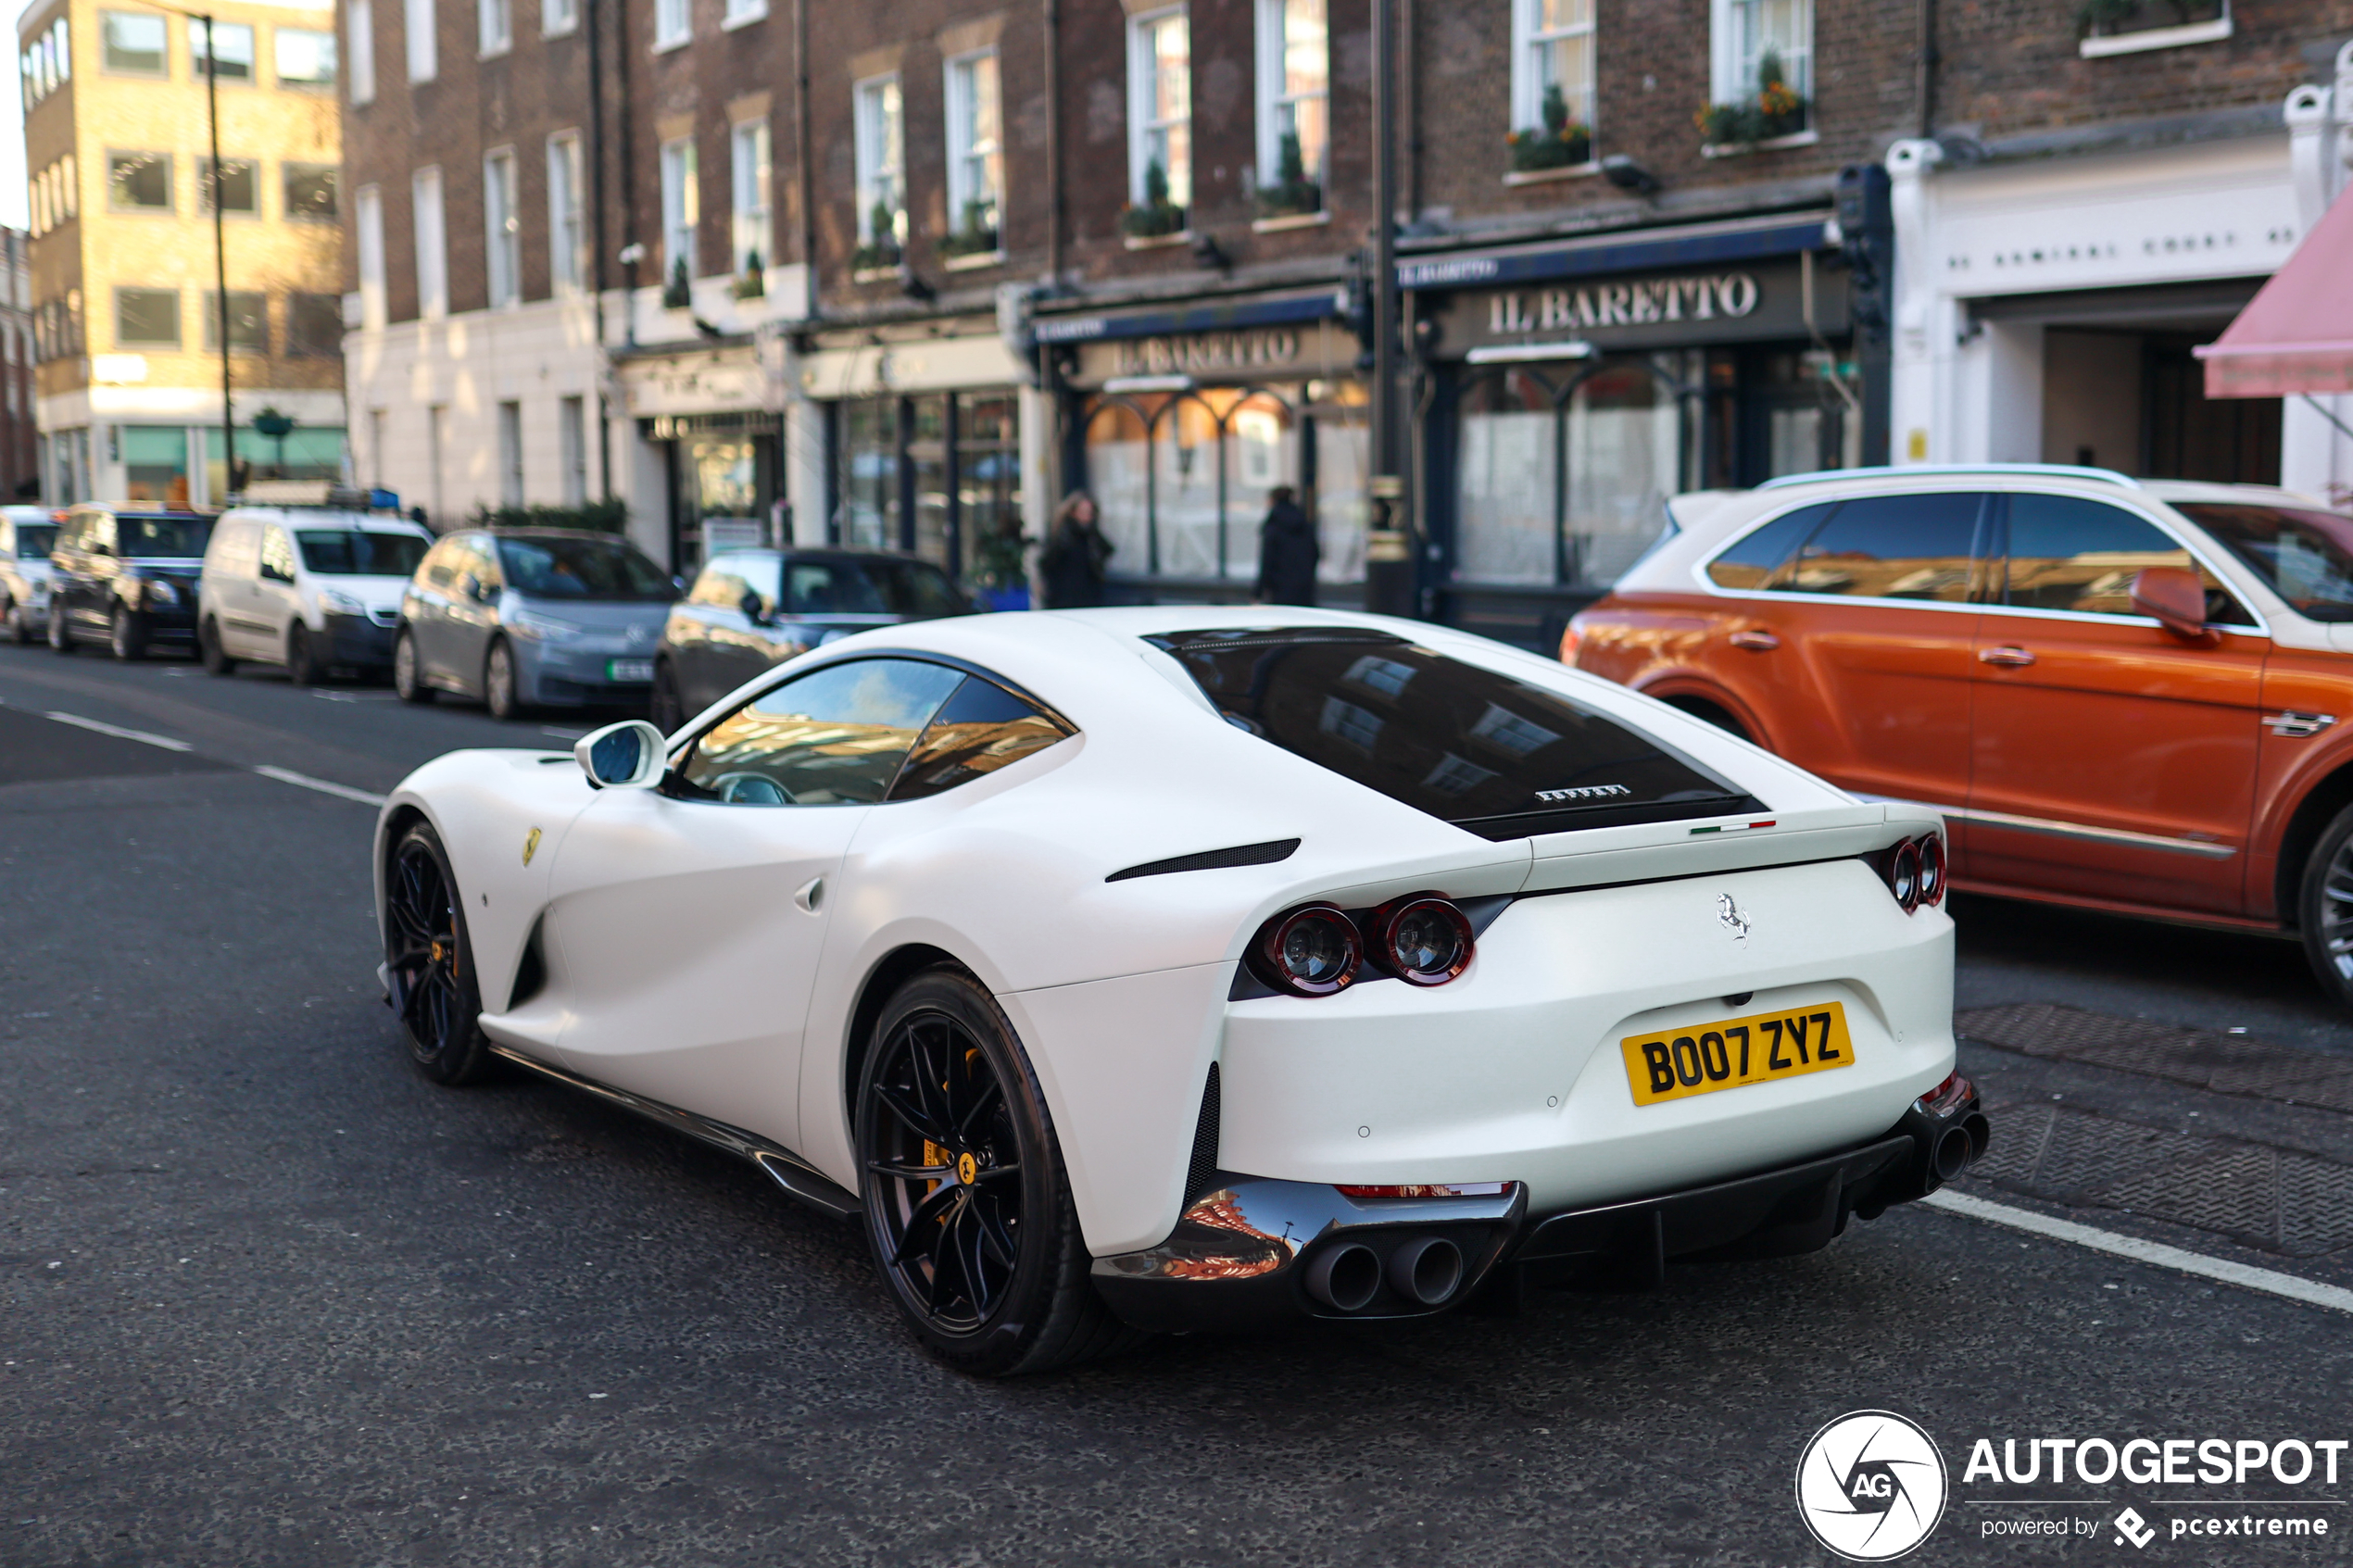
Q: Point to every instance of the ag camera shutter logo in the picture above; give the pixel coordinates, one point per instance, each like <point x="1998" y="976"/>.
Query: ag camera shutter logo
<point x="1872" y="1486"/>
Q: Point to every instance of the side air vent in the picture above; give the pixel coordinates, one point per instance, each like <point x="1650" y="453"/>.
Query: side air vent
<point x="531" y="974"/>
<point x="1203" y="1176"/>
<point x="1214" y="859"/>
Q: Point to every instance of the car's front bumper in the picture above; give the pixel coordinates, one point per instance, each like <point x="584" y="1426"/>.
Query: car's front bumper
<point x="1245" y="1254"/>
<point x="596" y="674"/>
<point x="358" y="641"/>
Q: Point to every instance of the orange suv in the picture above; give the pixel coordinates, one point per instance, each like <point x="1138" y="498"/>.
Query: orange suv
<point x="2123" y="695"/>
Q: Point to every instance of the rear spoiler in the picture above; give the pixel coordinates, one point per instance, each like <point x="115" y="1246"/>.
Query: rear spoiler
<point x="1655" y="851"/>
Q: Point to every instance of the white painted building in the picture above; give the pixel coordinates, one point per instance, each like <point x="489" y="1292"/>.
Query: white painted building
<point x="2048" y="297"/>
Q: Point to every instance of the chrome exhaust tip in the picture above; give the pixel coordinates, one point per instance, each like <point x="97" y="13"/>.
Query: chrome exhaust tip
<point x="1425" y="1270"/>
<point x="1344" y="1278"/>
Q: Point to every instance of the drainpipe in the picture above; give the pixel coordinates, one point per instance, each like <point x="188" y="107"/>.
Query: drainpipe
<point x="592" y="21"/>
<point x="1925" y="87"/>
<point x="630" y="247"/>
<point x="1053" y="144"/>
<point x="804" y="167"/>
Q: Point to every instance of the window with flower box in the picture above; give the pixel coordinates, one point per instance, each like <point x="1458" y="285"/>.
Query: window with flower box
<point x="1294" y="96"/>
<point x="1160" y="124"/>
<point x="1552" y="85"/>
<point x="882" y="187"/>
<point x="976" y="156"/>
<point x="2129" y="27"/>
<point x="1762" y="73"/>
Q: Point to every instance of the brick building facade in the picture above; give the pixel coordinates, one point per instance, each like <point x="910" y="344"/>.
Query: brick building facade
<point x="992" y="254"/>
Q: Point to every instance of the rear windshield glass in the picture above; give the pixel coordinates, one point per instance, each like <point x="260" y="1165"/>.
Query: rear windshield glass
<point x="2306" y="556"/>
<point x="161" y="538"/>
<point x="582" y="569"/>
<point x="1495" y="756"/>
<point x="914" y="589"/>
<point x="35" y="540"/>
<point x="354" y="552"/>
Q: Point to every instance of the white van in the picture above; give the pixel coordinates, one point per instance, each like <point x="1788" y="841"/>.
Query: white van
<point x="315" y="589"/>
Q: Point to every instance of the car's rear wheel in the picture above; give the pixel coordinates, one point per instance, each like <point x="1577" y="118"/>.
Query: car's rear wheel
<point x="1715" y="713"/>
<point x="129" y="638"/>
<point x="667" y="710"/>
<point x="498" y="683"/>
<point x="302" y="665"/>
<point x="2324" y="908"/>
<point x="968" y="1209"/>
<point x="429" y="963"/>
<point x="408" y="681"/>
<point x="12" y="618"/>
<point x="215" y="659"/>
<point x="61" y="628"/>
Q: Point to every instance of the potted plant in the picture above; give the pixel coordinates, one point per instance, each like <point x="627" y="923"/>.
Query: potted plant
<point x="752" y="281"/>
<point x="1156" y="216"/>
<point x="1776" y="109"/>
<point x="1559" y="142"/>
<point x="678" y="293"/>
<point x="881" y="252"/>
<point x="976" y="234"/>
<point x="1292" y="193"/>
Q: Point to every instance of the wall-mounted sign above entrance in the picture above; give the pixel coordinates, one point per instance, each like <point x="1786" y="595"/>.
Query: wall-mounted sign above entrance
<point x="1224" y="358"/>
<point x="1745" y="305"/>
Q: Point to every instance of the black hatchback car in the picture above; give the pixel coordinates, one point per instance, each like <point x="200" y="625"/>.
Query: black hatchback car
<point x="751" y="609"/>
<point x="126" y="577"/>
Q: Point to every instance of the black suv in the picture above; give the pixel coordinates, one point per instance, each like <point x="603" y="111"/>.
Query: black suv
<point x="127" y="576"/>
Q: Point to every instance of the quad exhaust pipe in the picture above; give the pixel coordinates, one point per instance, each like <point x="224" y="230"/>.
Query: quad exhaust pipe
<point x="1425" y="1271"/>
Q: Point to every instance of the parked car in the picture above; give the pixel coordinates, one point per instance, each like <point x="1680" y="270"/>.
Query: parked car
<point x="750" y="609"/>
<point x="127" y="575"/>
<point x="27" y="536"/>
<point x="2125" y="695"/>
<point x="530" y="617"/>
<point x="315" y="589"/>
<point x="1182" y="968"/>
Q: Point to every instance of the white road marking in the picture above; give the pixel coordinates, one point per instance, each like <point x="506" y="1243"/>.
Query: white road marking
<point x="141" y="737"/>
<point x="2242" y="1275"/>
<point x="560" y="733"/>
<point x="341" y="792"/>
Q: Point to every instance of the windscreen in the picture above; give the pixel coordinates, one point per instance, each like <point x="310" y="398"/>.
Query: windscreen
<point x="35" y="540"/>
<point x="914" y="589"/>
<point x="358" y="552"/>
<point x="1492" y="755"/>
<point x="582" y="569"/>
<point x="161" y="538"/>
<point x="2306" y="556"/>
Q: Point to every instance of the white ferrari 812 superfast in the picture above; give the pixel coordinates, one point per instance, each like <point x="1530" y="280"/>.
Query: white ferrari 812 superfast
<point x="1171" y="969"/>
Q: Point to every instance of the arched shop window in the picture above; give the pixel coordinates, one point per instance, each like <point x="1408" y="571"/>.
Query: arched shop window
<point x="1562" y="472"/>
<point x="1183" y="479"/>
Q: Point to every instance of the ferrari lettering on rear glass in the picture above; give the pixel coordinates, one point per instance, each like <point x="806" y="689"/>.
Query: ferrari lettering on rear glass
<point x="1707" y="1056"/>
<point x="1589" y="792"/>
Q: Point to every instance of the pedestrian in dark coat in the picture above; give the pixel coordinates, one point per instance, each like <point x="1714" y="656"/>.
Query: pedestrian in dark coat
<point x="1287" y="552"/>
<point x="1071" y="565"/>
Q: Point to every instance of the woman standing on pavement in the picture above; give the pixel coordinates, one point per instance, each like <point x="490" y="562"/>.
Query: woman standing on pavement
<point x="1071" y="566"/>
<point x="1287" y="551"/>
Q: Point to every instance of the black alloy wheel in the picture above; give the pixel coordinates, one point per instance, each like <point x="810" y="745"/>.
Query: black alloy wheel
<point x="666" y="712"/>
<point x="968" y="1211"/>
<point x="429" y="962"/>
<point x="2324" y="908"/>
<point x="215" y="659"/>
<point x="408" y="681"/>
<point x="300" y="668"/>
<point x="498" y="683"/>
<point x="61" y="626"/>
<point x="12" y="617"/>
<point x="129" y="639"/>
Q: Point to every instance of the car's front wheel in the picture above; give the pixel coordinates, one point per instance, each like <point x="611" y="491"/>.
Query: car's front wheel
<point x="667" y="710"/>
<point x="302" y="665"/>
<point x="408" y="681"/>
<point x="968" y="1209"/>
<point x="129" y="639"/>
<point x="215" y="659"/>
<point x="12" y="618"/>
<point x="429" y="962"/>
<point x="2324" y="908"/>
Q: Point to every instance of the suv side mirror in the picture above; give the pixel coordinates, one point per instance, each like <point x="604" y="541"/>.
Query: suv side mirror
<point x="624" y="756"/>
<point x="751" y="606"/>
<point x="2175" y="598"/>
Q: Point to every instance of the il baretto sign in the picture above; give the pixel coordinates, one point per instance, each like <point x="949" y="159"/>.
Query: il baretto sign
<point x="1652" y="310"/>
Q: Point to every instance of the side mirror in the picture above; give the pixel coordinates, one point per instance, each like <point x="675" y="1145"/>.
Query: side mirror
<point x="751" y="606"/>
<point x="2175" y="598"/>
<point x="624" y="756"/>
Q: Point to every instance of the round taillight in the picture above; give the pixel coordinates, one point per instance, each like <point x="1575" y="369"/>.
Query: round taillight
<point x="1423" y="940"/>
<point x="1932" y="870"/>
<point x="1310" y="951"/>
<point x="1903" y="875"/>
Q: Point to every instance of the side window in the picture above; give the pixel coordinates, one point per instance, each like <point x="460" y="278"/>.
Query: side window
<point x="439" y="567"/>
<point x="277" y="557"/>
<point x="481" y="562"/>
<point x="836" y="736"/>
<point x="2067" y="553"/>
<point x="1750" y="562"/>
<point x="982" y="728"/>
<point x="1891" y="547"/>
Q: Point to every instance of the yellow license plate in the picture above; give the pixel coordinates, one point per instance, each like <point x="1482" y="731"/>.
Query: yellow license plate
<point x="1763" y="1045"/>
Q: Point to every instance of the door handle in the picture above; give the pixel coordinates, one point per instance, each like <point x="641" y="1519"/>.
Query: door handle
<point x="1754" y="639"/>
<point x="2007" y="658"/>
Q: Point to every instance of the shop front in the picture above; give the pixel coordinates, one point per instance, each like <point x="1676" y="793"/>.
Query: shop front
<point x="710" y="422"/>
<point x="922" y="443"/>
<point x="1571" y="389"/>
<point x="1182" y="423"/>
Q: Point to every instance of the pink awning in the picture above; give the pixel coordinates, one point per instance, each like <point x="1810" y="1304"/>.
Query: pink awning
<point x="2297" y="335"/>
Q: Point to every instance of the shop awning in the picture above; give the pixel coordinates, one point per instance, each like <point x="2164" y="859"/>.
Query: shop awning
<point x="2297" y="335"/>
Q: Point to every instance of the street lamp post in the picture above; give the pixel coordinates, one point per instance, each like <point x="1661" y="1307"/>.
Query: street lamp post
<point x="1388" y="556"/>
